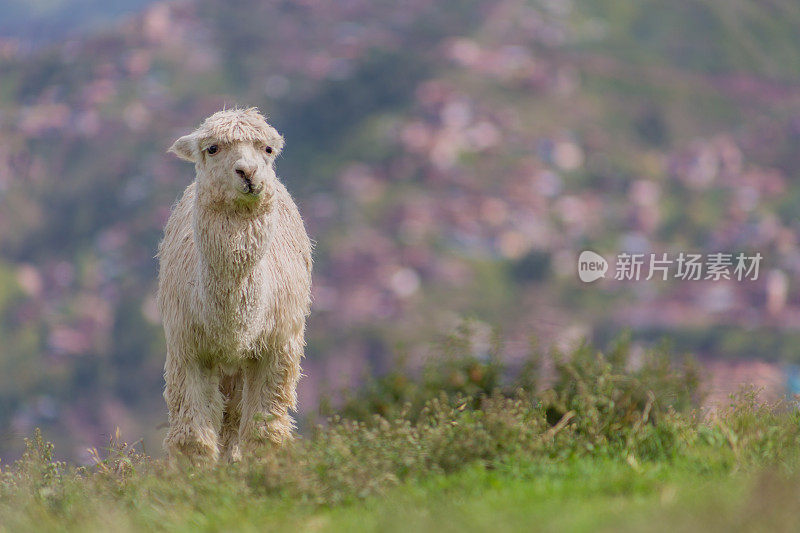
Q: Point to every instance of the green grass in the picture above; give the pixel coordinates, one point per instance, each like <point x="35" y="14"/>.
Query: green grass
<point x="575" y="494"/>
<point x="610" y="442"/>
<point x="583" y="494"/>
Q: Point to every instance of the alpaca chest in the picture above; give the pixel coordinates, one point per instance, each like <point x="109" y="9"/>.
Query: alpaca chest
<point x="235" y="319"/>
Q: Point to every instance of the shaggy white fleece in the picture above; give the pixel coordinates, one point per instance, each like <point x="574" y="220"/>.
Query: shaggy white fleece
<point x="234" y="293"/>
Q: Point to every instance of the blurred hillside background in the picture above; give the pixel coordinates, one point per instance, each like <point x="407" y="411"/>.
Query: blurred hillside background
<point x="451" y="159"/>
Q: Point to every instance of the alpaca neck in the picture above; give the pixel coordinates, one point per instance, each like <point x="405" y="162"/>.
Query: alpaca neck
<point x="230" y="247"/>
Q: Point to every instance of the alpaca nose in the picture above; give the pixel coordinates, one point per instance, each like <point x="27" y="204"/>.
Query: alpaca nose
<point x="245" y="171"/>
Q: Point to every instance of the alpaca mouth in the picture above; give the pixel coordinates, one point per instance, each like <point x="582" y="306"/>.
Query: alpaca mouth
<point x="252" y="189"/>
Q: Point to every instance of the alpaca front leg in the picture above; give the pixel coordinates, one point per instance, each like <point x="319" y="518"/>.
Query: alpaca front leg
<point x="195" y="410"/>
<point x="268" y="395"/>
<point x="231" y="387"/>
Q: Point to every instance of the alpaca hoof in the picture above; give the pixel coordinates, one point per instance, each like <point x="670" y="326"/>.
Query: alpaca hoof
<point x="267" y="433"/>
<point x="189" y="443"/>
<point x="233" y="454"/>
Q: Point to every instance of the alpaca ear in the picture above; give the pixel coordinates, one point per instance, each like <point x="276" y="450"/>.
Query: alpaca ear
<point x="277" y="144"/>
<point x="186" y="148"/>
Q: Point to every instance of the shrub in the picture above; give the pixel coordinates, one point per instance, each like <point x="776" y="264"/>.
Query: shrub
<point x="617" y="406"/>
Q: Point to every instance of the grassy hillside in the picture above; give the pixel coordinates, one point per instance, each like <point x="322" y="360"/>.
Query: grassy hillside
<point x="449" y="161"/>
<point x="600" y="448"/>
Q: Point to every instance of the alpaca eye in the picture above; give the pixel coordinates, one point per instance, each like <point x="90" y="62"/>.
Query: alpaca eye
<point x="213" y="149"/>
<point x="269" y="149"/>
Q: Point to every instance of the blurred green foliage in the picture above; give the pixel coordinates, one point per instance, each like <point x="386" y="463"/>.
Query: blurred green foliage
<point x="631" y="430"/>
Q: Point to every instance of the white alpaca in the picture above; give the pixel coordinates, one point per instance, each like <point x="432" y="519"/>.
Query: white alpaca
<point x="234" y="293"/>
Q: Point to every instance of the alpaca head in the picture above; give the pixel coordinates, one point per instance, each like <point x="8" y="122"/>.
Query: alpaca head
<point x="234" y="153"/>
